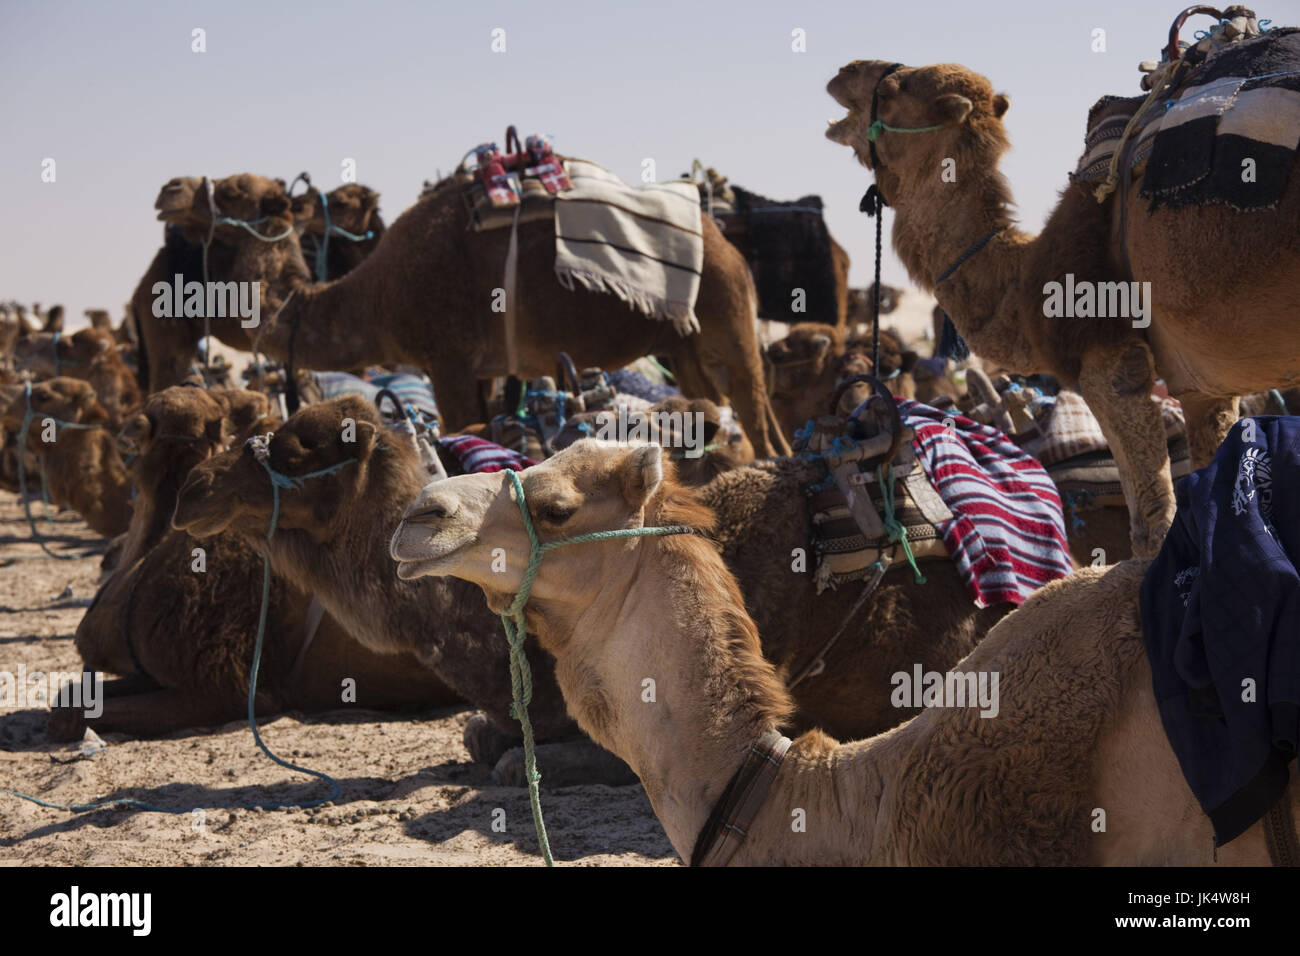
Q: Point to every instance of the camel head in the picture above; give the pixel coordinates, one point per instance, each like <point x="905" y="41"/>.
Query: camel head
<point x="66" y="399"/>
<point x="76" y="353"/>
<point x="182" y="426"/>
<point x="232" y="491"/>
<point x="958" y="101"/>
<point x="176" y="198"/>
<point x="99" y="319"/>
<point x="470" y="526"/>
<point x="352" y="207"/>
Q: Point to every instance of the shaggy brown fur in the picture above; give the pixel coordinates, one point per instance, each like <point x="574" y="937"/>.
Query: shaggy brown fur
<point x="83" y="470"/>
<point x="1211" y="341"/>
<point x="1077" y="727"/>
<point x="804" y="366"/>
<point x="192" y="632"/>
<point x="168" y="344"/>
<point x="352" y="207"/>
<point x="332" y="540"/>
<point x="91" y="355"/>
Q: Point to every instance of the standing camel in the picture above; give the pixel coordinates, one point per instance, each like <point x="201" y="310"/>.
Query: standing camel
<point x="1210" y="339"/>
<point x="1076" y="727"/>
<point x="425" y="297"/>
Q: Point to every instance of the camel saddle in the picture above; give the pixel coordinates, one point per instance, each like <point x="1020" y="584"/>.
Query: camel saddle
<point x="1221" y="122"/>
<point x="543" y="408"/>
<point x="498" y="185"/>
<point x="849" y="507"/>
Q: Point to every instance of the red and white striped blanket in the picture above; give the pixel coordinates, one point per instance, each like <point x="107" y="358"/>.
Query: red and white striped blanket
<point x="479" y="454"/>
<point x="1008" y="535"/>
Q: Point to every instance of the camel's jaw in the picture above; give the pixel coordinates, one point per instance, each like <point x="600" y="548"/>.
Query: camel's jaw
<point x="421" y="551"/>
<point x="176" y="198"/>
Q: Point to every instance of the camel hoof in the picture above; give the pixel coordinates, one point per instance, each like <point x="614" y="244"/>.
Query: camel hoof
<point x="485" y="743"/>
<point x="65" y="724"/>
<point x="569" y="764"/>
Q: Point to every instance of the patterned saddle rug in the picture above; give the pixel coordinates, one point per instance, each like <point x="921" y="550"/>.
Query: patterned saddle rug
<point x="1228" y="134"/>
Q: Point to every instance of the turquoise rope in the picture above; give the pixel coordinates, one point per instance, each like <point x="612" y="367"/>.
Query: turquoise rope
<point x="1281" y="402"/>
<point x="278" y="481"/>
<point x="322" y="251"/>
<point x="512" y="620"/>
<point x="896" y="531"/>
<point x="876" y="128"/>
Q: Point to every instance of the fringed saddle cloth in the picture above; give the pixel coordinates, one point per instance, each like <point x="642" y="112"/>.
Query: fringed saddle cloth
<point x="960" y="489"/>
<point x="1228" y="134"/>
<point x="643" y="245"/>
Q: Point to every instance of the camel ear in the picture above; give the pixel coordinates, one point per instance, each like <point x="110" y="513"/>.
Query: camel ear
<point x="367" y="438"/>
<point x="821" y="345"/>
<point x="138" y="429"/>
<point x="643" y="469"/>
<point x="1000" y="105"/>
<point x="953" y="107"/>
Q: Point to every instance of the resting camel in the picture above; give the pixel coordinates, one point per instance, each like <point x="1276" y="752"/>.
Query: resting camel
<point x="182" y="640"/>
<point x="348" y="518"/>
<point x="1209" y="339"/>
<point x="1077" y="729"/>
<point x="803" y="367"/>
<point x="430" y="263"/>
<point x="89" y="354"/>
<point x="82" y="468"/>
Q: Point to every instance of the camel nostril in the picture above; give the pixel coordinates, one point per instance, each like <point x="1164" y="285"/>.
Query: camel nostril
<point x="436" y="510"/>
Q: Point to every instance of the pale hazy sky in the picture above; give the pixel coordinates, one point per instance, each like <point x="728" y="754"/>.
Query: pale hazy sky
<point x="112" y="92"/>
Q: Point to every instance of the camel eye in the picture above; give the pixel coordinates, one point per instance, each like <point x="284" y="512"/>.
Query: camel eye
<point x="556" y="514"/>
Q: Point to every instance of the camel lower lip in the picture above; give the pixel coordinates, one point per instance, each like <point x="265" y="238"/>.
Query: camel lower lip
<point x="425" y="557"/>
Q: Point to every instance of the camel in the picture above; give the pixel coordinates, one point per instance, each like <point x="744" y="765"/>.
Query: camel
<point x="81" y="467"/>
<point x="764" y="520"/>
<point x="430" y="263"/>
<point x="331" y="540"/>
<point x="1211" y="341"/>
<point x="89" y="354"/>
<point x="1077" y="729"/>
<point x="803" y="367"/>
<point x="183" y="640"/>
<point x="353" y="211"/>
<point x="167" y="345"/>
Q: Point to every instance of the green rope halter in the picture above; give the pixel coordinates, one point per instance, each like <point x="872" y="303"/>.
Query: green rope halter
<point x="896" y="531"/>
<point x="521" y="678"/>
<point x="879" y="126"/>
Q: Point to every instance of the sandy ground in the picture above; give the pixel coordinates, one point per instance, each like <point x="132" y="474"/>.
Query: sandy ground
<point x="409" y="792"/>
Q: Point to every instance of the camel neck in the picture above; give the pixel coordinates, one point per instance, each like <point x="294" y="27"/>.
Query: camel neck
<point x="347" y="565"/>
<point x="984" y="295"/>
<point x="335" y="325"/>
<point x="681" y="695"/>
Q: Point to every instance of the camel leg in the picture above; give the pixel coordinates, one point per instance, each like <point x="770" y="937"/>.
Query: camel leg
<point x="1116" y="381"/>
<point x="153" y="714"/>
<point x="171" y="346"/>
<point x="1208" y="423"/>
<point x="485" y="743"/>
<point x="457" y="392"/>
<point x="695" y="381"/>
<point x="569" y="763"/>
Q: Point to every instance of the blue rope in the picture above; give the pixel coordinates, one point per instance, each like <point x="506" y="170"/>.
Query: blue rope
<point x="322" y="250"/>
<point x="28" y="417"/>
<point x="278" y="481"/>
<point x="512" y="620"/>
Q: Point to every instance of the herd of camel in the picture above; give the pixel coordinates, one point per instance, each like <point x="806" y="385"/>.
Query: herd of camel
<point x="718" y="618"/>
